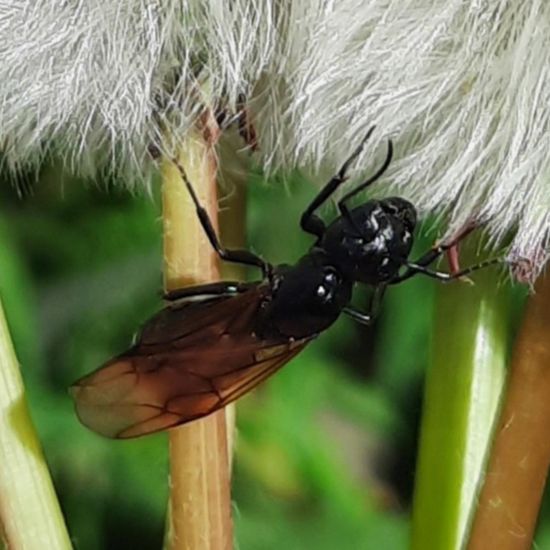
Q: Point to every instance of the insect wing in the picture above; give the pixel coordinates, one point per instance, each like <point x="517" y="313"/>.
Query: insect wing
<point x="188" y="362"/>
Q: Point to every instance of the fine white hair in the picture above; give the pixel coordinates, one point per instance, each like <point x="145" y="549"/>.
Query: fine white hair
<point x="461" y="87"/>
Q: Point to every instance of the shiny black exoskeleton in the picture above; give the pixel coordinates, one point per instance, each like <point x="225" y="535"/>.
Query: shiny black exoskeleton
<point x="374" y="242"/>
<point x="216" y="342"/>
<point x="368" y="244"/>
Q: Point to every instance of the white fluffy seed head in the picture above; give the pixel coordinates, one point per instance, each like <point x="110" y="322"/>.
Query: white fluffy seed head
<point x="461" y="87"/>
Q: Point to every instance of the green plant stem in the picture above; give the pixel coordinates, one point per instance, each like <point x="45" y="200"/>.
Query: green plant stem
<point x="463" y="387"/>
<point x="29" y="510"/>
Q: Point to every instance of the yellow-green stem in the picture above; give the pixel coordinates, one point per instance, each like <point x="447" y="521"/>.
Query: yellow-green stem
<point x="234" y="166"/>
<point x="29" y="510"/>
<point x="463" y="386"/>
<point x="200" y="507"/>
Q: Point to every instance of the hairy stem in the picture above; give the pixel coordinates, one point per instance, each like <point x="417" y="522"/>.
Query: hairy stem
<point x="234" y="172"/>
<point x="200" y="507"/>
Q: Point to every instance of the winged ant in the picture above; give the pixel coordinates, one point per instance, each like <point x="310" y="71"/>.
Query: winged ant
<point x="213" y="343"/>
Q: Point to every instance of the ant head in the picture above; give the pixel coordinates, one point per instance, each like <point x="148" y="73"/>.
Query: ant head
<point x="371" y="243"/>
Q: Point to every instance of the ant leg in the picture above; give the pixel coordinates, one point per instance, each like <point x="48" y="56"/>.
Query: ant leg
<point x="414" y="269"/>
<point x="372" y="311"/>
<point x="432" y="255"/>
<point x="358" y="316"/>
<point x="244" y="257"/>
<point x="220" y="288"/>
<point x="312" y="223"/>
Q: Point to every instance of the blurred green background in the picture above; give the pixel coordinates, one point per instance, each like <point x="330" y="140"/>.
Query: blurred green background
<point x="325" y="453"/>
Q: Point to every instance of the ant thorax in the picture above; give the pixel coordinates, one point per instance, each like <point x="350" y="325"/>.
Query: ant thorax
<point x="307" y="297"/>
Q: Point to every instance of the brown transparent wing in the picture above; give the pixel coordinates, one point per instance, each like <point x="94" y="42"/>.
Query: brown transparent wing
<point x="188" y="362"/>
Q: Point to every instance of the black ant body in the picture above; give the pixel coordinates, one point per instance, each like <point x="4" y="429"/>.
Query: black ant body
<point x="215" y="342"/>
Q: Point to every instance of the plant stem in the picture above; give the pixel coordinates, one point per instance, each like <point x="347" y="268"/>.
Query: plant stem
<point x="29" y="510"/>
<point x="200" y="507"/>
<point x="510" y="498"/>
<point x="463" y="385"/>
<point x="234" y="165"/>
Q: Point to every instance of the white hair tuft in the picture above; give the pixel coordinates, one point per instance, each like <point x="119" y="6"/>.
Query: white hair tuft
<point x="462" y="87"/>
